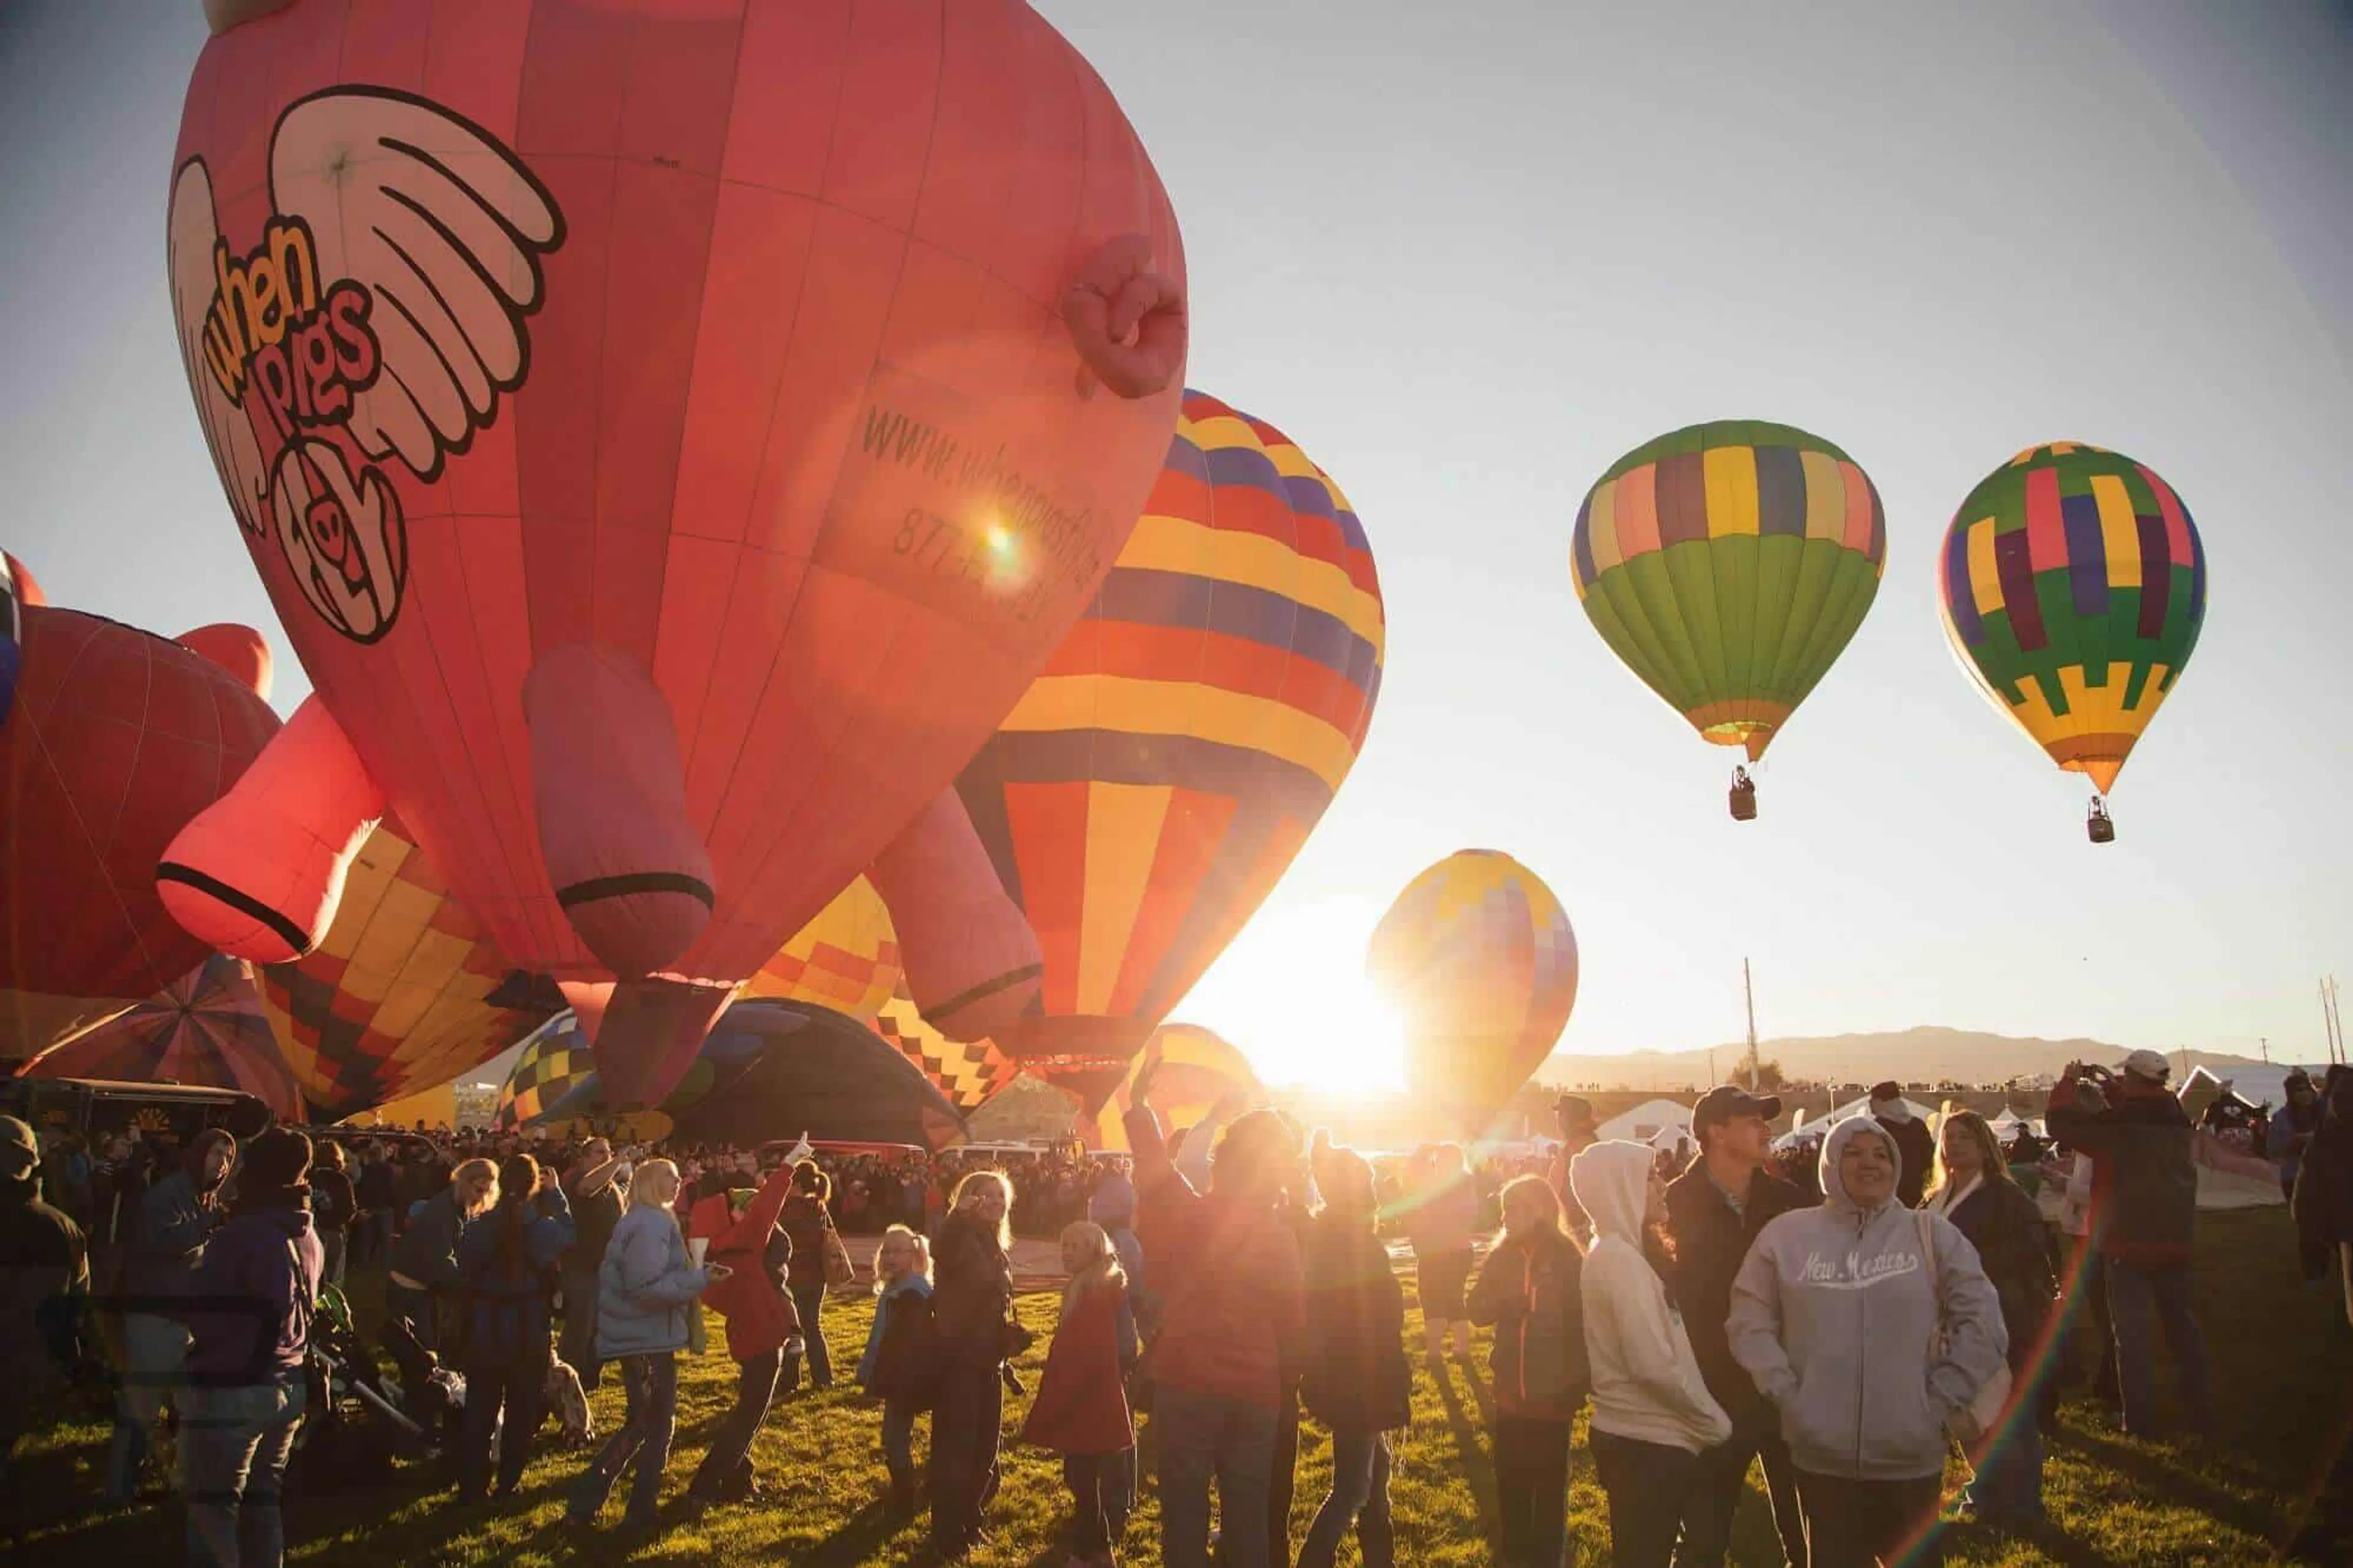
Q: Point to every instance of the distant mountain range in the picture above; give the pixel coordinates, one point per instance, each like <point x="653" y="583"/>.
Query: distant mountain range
<point x="1924" y="1055"/>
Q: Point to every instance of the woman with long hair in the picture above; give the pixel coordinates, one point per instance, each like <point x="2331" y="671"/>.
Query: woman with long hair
<point x="972" y="1300"/>
<point x="1971" y="1186"/>
<point x="1355" y="1378"/>
<point x="1080" y="1411"/>
<point x="1530" y="1290"/>
<point x="810" y="1223"/>
<point x="1652" y="1415"/>
<point x="644" y="1293"/>
<point x="506" y="1268"/>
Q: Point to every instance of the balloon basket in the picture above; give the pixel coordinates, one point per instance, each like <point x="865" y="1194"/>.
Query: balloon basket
<point x="1744" y="796"/>
<point x="2098" y="825"/>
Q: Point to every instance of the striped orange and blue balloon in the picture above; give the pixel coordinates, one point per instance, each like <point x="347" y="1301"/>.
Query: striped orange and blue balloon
<point x="1155" y="783"/>
<point x="2072" y="583"/>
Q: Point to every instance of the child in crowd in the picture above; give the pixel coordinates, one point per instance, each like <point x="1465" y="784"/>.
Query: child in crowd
<point x="1082" y="1406"/>
<point x="897" y="1352"/>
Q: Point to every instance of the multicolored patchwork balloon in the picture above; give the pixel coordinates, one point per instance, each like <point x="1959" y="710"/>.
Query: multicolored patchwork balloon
<point x="970" y="1074"/>
<point x="1478" y="956"/>
<point x="207" y="1027"/>
<point x="1157" y="780"/>
<point x="405" y="991"/>
<point x="1728" y="564"/>
<point x="846" y="959"/>
<point x="2073" y="586"/>
<point x="555" y="1060"/>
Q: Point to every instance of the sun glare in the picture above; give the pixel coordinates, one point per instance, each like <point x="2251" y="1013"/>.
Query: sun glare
<point x="1292" y="995"/>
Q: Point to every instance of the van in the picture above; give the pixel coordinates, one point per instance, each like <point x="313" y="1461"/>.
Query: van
<point x="166" y="1115"/>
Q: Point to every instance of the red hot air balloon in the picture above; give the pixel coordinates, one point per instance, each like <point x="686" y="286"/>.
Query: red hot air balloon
<point x="673" y="436"/>
<point x="114" y="741"/>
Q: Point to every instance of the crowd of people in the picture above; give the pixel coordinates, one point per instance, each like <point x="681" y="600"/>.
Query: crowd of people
<point x="1842" y="1335"/>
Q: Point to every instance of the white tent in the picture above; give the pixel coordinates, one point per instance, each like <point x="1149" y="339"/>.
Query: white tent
<point x="1646" y="1121"/>
<point x="1859" y="1106"/>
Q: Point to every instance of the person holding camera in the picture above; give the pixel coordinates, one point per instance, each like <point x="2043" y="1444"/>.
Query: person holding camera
<point x="972" y="1306"/>
<point x="2145" y="1191"/>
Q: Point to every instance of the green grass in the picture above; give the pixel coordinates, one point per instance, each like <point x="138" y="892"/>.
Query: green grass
<point x="2284" y="1363"/>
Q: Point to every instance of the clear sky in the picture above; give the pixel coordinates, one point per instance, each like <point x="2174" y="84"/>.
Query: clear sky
<point x="1466" y="255"/>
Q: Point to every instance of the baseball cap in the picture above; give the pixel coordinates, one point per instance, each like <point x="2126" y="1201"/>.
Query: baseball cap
<point x="1574" y="1109"/>
<point x="19" y="1149"/>
<point x="2147" y="1063"/>
<point x="1724" y="1101"/>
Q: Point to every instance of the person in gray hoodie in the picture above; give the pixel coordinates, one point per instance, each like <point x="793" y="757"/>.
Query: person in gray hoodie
<point x="1836" y="1315"/>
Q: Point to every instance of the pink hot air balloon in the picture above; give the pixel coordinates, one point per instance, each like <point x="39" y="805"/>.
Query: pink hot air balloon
<point x="674" y="434"/>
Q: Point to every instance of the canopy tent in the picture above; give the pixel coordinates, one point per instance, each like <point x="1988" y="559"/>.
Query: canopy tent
<point x="1647" y="1121"/>
<point x="1859" y="1106"/>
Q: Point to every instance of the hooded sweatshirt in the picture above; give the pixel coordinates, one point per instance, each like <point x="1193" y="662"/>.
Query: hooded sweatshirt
<point x="248" y="1310"/>
<point x="1646" y="1382"/>
<point x="1834" y="1314"/>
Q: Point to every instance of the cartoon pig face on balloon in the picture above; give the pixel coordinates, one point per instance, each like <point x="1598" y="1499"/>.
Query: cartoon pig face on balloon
<point x="672" y="432"/>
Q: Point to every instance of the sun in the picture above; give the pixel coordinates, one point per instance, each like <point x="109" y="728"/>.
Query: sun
<point x="1291" y="992"/>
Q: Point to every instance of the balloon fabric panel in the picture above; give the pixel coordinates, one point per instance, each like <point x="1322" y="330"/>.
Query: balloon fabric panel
<point x="846" y="958"/>
<point x="116" y="739"/>
<point x="1158" y="777"/>
<point x="403" y="993"/>
<point x="970" y="1075"/>
<point x="554" y="1060"/>
<point x="2073" y="581"/>
<point x="742" y="358"/>
<point x="205" y="1028"/>
<point x="1481" y="959"/>
<point x="1727" y="565"/>
<point x="1193" y="1069"/>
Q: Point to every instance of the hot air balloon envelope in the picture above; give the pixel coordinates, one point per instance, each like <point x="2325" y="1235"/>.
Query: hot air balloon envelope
<point x="661" y="428"/>
<point x="1478" y="955"/>
<point x="1158" y="778"/>
<point x="1728" y="564"/>
<point x="2074" y="587"/>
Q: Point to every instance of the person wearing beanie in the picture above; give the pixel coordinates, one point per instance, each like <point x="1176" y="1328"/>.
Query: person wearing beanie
<point x="44" y="1282"/>
<point x="249" y="1318"/>
<point x="176" y="1216"/>
<point x="1357" y="1380"/>
<point x="1914" y="1142"/>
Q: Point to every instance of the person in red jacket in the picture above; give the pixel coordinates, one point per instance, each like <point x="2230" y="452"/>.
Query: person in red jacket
<point x="1226" y="1272"/>
<point x="763" y="1327"/>
<point x="1080" y="1411"/>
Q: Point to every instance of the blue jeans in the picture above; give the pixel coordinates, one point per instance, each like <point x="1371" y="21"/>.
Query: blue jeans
<point x="154" y="1351"/>
<point x="1360" y="1496"/>
<point x="899" y="1441"/>
<point x="2137" y="1292"/>
<point x="233" y="1446"/>
<point x="809" y="1300"/>
<point x="2008" y="1489"/>
<point x="649" y="1385"/>
<point x="1205" y="1437"/>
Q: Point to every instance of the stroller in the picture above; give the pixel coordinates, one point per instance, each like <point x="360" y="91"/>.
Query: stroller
<point x="365" y="1420"/>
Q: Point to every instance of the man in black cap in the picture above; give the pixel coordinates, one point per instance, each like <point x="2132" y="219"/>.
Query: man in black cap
<point x="1714" y="1210"/>
<point x="1915" y="1146"/>
<point x="44" y="1277"/>
<point x="1578" y="1131"/>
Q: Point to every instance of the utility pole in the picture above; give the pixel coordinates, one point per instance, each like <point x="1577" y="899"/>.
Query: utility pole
<point x="1748" y="991"/>
<point x="2265" y="1043"/>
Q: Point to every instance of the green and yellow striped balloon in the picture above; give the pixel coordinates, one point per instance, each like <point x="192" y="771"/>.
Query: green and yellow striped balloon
<point x="1728" y="564"/>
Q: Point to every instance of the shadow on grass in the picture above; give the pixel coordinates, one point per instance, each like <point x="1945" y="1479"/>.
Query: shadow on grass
<point x="860" y="1538"/>
<point x="1477" y="1468"/>
<point x="2155" y="1477"/>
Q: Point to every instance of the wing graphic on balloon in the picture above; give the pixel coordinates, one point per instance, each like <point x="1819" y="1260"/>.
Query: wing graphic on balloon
<point x="444" y="228"/>
<point x="385" y="302"/>
<point x="193" y="235"/>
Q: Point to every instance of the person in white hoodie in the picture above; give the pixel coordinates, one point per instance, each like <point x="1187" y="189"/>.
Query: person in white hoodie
<point x="1652" y="1415"/>
<point x="1836" y="1313"/>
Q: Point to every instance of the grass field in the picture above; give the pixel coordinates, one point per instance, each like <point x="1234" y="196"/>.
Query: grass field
<point x="2284" y="1362"/>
